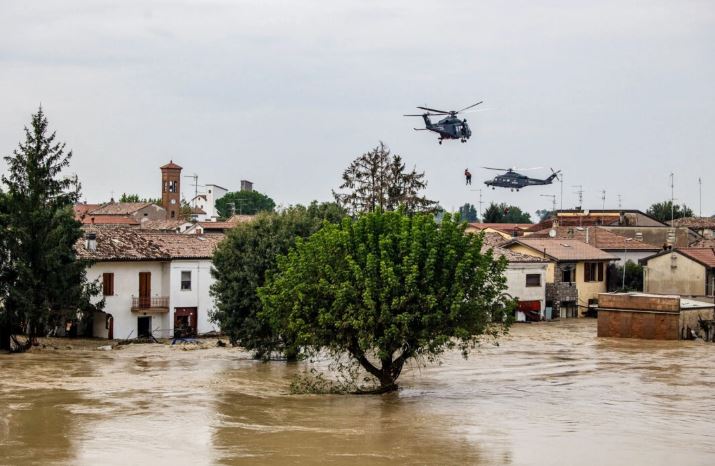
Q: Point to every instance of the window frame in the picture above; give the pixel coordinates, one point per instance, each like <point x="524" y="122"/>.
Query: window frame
<point x="532" y="275"/>
<point x="182" y="281"/>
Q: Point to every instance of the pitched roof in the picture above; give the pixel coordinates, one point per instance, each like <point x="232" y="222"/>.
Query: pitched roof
<point x="108" y="220"/>
<point x="494" y="241"/>
<point x="119" y="208"/>
<point x="562" y="249"/>
<point x="162" y="225"/>
<point x="508" y="227"/>
<point x="705" y="256"/>
<point x="131" y="244"/>
<point x="598" y="237"/>
<point x="695" y="223"/>
<point x="228" y="224"/>
<point x="171" y="164"/>
<point x="81" y="209"/>
<point x="197" y="211"/>
<point x="704" y="243"/>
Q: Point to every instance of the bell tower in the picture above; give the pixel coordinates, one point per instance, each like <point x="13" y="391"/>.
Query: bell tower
<point x="171" y="189"/>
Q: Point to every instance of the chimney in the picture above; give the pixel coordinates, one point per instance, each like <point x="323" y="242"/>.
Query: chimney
<point x="246" y="185"/>
<point x="90" y="242"/>
<point x="142" y="222"/>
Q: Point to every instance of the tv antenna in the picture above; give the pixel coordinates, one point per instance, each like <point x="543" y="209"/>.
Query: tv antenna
<point x="196" y="186"/>
<point x="672" y="198"/>
<point x="579" y="191"/>
<point x="480" y="202"/>
<point x="603" y="198"/>
<point x="619" y="201"/>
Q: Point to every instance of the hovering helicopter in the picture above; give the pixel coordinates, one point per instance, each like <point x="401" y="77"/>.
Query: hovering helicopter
<point x="449" y="127"/>
<point x="513" y="180"/>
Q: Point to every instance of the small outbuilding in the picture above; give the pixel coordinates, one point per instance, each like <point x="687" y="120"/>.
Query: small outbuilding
<point x="650" y="316"/>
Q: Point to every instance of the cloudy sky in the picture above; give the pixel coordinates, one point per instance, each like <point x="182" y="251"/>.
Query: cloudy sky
<point x="617" y="94"/>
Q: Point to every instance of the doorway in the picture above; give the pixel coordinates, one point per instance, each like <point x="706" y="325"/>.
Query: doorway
<point x="185" y="321"/>
<point x="144" y="326"/>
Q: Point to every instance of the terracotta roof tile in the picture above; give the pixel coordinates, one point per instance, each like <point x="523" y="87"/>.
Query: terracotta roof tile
<point x="704" y="243"/>
<point x="108" y="220"/>
<point x="598" y="237"/>
<point x="119" y="208"/>
<point x="171" y="164"/>
<point x="695" y="223"/>
<point x="705" y="256"/>
<point x="132" y="244"/>
<point x="563" y="249"/>
<point x="494" y="241"/>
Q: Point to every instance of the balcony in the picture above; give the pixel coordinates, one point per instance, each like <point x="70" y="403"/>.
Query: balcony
<point x="150" y="304"/>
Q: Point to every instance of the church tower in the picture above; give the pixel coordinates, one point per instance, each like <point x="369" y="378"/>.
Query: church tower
<point x="171" y="189"/>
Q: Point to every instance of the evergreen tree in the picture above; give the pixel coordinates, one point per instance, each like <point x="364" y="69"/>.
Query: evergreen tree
<point x="47" y="281"/>
<point x="379" y="180"/>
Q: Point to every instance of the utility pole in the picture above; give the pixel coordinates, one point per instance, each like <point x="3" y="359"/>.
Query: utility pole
<point x="672" y="198"/>
<point x="619" y="202"/>
<point x="561" y="180"/>
<point x="700" y="183"/>
<point x="603" y="198"/>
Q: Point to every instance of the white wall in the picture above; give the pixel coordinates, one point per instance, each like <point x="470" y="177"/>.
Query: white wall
<point x="198" y="296"/>
<point x="126" y="285"/>
<point x="516" y="282"/>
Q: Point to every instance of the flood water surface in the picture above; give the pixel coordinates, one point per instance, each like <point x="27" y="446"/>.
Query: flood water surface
<point x="550" y="393"/>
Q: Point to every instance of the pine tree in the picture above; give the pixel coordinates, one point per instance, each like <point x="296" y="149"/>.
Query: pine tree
<point x="378" y="180"/>
<point x="46" y="281"/>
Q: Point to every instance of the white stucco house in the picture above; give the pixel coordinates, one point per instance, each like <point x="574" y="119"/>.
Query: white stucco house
<point x="154" y="283"/>
<point x="525" y="279"/>
<point x="206" y="203"/>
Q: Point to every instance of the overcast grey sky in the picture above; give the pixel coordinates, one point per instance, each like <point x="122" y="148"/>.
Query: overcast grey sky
<point x="617" y="94"/>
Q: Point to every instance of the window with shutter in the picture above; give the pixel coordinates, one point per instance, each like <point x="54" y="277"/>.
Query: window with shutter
<point x="108" y="284"/>
<point x="587" y="272"/>
<point x="600" y="271"/>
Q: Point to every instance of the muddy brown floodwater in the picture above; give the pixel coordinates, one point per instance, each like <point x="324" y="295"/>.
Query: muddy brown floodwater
<point x="549" y="394"/>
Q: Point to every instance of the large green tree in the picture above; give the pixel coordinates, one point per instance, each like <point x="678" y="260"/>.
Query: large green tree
<point x="503" y="213"/>
<point x="244" y="202"/>
<point x="46" y="282"/>
<point x="240" y="265"/>
<point x="386" y="288"/>
<point x="663" y="211"/>
<point x="380" y="180"/>
<point x="468" y="213"/>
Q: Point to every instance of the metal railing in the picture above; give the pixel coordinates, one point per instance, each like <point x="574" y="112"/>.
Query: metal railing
<point x="148" y="302"/>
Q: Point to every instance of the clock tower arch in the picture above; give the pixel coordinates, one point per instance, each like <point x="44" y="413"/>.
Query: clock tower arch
<point x="171" y="189"/>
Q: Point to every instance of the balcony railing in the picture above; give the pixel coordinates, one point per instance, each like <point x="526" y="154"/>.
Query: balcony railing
<point x="150" y="302"/>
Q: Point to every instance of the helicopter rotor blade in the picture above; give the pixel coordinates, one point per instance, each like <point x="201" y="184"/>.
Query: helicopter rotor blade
<point x="467" y="108"/>
<point x="423" y="114"/>
<point x="498" y="169"/>
<point x="434" y="110"/>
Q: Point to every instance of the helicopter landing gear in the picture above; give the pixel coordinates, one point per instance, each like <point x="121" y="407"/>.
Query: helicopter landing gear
<point x="463" y="140"/>
<point x="440" y="142"/>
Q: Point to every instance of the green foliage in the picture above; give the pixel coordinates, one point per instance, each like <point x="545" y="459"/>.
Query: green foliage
<point x="544" y="214"/>
<point x="46" y="282"/>
<point x="468" y="213"/>
<point x="135" y="198"/>
<point x="244" y="202"/>
<point x="633" y="278"/>
<point x="379" y="180"/>
<point x="387" y="288"/>
<point x="503" y="213"/>
<point x="242" y="260"/>
<point x="662" y="211"/>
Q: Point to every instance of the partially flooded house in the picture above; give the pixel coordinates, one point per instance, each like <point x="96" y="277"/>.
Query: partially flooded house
<point x="681" y="271"/>
<point x="154" y="284"/>
<point x="575" y="275"/>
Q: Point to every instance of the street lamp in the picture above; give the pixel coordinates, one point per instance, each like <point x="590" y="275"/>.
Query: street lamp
<point x="625" y="254"/>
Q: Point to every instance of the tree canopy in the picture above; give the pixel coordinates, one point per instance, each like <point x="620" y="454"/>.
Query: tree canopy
<point x="136" y="198"/>
<point x="244" y="202"/>
<point x="468" y="213"/>
<point x="380" y="180"/>
<point x="503" y="213"/>
<point x="240" y="265"/>
<point x="45" y="281"/>
<point x="386" y="288"/>
<point x="662" y="211"/>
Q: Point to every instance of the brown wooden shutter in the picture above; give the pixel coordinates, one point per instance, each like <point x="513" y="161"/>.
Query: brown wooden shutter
<point x="587" y="271"/>
<point x="108" y="284"/>
<point x="600" y="271"/>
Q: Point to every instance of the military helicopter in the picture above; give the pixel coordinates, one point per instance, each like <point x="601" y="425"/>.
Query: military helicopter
<point x="515" y="181"/>
<point x="449" y="127"/>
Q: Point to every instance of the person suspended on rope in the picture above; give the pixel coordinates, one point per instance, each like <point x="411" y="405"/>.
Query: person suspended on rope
<point x="467" y="176"/>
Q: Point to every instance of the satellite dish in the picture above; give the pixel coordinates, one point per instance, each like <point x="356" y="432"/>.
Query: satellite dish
<point x="552" y="233"/>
